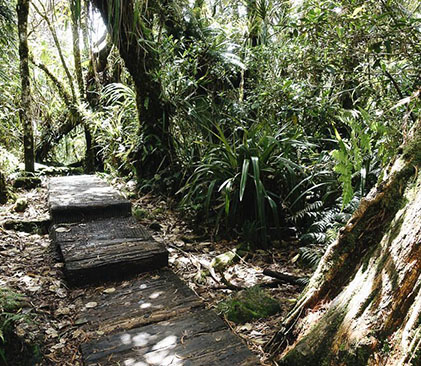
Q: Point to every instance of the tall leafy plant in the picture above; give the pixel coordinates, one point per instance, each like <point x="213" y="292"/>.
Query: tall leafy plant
<point x="358" y="156"/>
<point x="242" y="176"/>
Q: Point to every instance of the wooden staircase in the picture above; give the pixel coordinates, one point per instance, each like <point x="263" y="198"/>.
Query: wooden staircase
<point x="149" y="319"/>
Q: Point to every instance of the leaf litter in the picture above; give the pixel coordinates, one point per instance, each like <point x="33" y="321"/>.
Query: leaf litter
<point x="29" y="266"/>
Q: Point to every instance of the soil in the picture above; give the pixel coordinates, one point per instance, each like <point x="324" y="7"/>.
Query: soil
<point x="30" y="266"/>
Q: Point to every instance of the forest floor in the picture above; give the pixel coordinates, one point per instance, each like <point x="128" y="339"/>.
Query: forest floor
<point x="51" y="311"/>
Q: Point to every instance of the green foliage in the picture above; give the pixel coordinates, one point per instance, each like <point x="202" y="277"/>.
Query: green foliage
<point x="247" y="305"/>
<point x="7" y="23"/>
<point x="358" y="158"/>
<point x="116" y="127"/>
<point x="241" y="177"/>
<point x="324" y="229"/>
<point x="274" y="109"/>
<point x="141" y="213"/>
<point x="8" y="161"/>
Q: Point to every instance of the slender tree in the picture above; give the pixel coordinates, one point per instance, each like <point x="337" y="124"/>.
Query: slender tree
<point x="76" y="9"/>
<point x="24" y="111"/>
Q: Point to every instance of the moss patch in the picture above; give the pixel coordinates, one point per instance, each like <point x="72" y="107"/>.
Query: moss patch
<point x="412" y="150"/>
<point x="141" y="213"/>
<point x="249" y="304"/>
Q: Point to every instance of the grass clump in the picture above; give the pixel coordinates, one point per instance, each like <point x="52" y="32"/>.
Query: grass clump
<point x="252" y="303"/>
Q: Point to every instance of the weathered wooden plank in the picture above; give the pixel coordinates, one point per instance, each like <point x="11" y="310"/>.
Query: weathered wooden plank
<point x="83" y="197"/>
<point x="198" y="338"/>
<point x="105" y="229"/>
<point x="107" y="249"/>
<point x="148" y="321"/>
<point x="141" y="301"/>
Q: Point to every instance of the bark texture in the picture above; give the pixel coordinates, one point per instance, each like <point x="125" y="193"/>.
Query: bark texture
<point x="22" y="9"/>
<point x="363" y="304"/>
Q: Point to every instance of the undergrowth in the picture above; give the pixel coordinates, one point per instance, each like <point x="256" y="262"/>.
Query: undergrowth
<point x="11" y="347"/>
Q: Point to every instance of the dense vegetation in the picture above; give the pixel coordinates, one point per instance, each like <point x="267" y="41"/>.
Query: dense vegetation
<point x="267" y="120"/>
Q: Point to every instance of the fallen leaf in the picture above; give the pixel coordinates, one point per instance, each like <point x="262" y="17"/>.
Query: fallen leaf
<point x="81" y="321"/>
<point x="62" y="229"/>
<point x="293" y="260"/>
<point x="62" y="293"/>
<point x="77" y="333"/>
<point x="52" y="332"/>
<point x="58" y="346"/>
<point x="90" y="305"/>
<point x="62" y="311"/>
<point x="246" y="327"/>
<point x="109" y="290"/>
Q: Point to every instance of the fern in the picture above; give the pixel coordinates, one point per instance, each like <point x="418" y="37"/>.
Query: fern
<point x="324" y="230"/>
<point x="9" y="313"/>
<point x="310" y="211"/>
<point x="356" y="157"/>
<point x="314" y="238"/>
<point x="311" y="255"/>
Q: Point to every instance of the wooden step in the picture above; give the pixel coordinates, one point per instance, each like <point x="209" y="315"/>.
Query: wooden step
<point x="153" y="319"/>
<point x="145" y="299"/>
<point x="106" y="249"/>
<point x="157" y="320"/>
<point x="84" y="197"/>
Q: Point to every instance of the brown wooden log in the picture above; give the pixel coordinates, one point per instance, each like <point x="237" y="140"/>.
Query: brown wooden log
<point x="286" y="278"/>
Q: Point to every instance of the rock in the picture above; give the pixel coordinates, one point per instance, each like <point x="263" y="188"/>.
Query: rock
<point x="3" y="189"/>
<point x="221" y="261"/>
<point x="27" y="182"/>
<point x="21" y="204"/>
<point x="28" y="226"/>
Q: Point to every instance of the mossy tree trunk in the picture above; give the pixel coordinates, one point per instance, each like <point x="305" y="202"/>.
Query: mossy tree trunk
<point x="363" y="304"/>
<point x="130" y="25"/>
<point x="76" y="14"/>
<point x="22" y="9"/>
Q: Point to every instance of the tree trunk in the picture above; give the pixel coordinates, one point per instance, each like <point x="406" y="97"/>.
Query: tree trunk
<point x="133" y="37"/>
<point x="22" y="9"/>
<point x="363" y="304"/>
<point x="67" y="122"/>
<point x="76" y="20"/>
